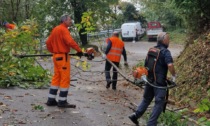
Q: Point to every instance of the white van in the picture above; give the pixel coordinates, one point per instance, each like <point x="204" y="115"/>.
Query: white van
<point x="132" y="30"/>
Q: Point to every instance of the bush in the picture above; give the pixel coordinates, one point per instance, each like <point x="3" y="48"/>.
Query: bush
<point x="178" y="36"/>
<point x="16" y="71"/>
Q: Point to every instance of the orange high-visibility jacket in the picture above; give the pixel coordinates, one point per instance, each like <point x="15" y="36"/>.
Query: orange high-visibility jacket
<point x="60" y="40"/>
<point x="10" y="26"/>
<point x="116" y="50"/>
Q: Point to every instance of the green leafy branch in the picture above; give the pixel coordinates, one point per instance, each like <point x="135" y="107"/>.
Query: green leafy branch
<point x="21" y="72"/>
<point x="87" y="22"/>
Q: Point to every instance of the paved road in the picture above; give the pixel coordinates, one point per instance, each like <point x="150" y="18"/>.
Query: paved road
<point x="96" y="106"/>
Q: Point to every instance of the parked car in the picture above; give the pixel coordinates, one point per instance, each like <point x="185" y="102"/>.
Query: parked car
<point x="132" y="30"/>
<point x="153" y="29"/>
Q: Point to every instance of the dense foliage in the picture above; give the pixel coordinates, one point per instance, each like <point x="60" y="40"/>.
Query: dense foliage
<point x="16" y="71"/>
<point x="193" y="15"/>
<point x="196" y="14"/>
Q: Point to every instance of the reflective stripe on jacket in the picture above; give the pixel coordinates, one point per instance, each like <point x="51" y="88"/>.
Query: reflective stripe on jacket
<point x="116" y="50"/>
<point x="60" y="40"/>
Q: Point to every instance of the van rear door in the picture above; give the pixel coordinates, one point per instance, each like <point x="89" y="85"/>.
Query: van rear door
<point x="128" y="30"/>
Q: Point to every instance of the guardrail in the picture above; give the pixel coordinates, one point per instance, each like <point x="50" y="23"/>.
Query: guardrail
<point x="103" y="33"/>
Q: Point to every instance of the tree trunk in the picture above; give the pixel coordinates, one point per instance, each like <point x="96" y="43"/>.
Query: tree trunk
<point x="79" y="8"/>
<point x="27" y="9"/>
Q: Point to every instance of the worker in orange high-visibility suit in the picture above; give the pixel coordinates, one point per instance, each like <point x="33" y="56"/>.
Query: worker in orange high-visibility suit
<point x="10" y="26"/>
<point x="59" y="43"/>
<point x="7" y="25"/>
<point x="114" y="50"/>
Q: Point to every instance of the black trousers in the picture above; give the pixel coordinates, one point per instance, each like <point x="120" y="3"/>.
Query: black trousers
<point x="150" y="93"/>
<point x="108" y="67"/>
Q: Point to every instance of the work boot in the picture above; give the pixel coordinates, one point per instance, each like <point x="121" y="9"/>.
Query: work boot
<point x="52" y="103"/>
<point x="108" y="84"/>
<point x="114" y="86"/>
<point x="66" y="105"/>
<point x="134" y="119"/>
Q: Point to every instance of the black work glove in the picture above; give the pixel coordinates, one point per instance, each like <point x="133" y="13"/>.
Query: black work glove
<point x="80" y="54"/>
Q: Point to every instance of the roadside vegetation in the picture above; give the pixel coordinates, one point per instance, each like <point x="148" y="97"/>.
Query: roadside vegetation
<point x="178" y="36"/>
<point x="22" y="72"/>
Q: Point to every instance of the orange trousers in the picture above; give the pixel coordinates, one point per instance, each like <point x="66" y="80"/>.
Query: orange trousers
<point x="61" y="77"/>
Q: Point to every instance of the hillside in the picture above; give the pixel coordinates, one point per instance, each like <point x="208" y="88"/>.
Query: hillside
<point x="193" y="70"/>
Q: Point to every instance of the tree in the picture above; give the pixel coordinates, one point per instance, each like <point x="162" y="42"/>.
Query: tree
<point x="49" y="11"/>
<point x="16" y="10"/>
<point x="130" y="13"/>
<point x="79" y="8"/>
<point x="163" y="11"/>
<point x="196" y="13"/>
<point x="192" y="14"/>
